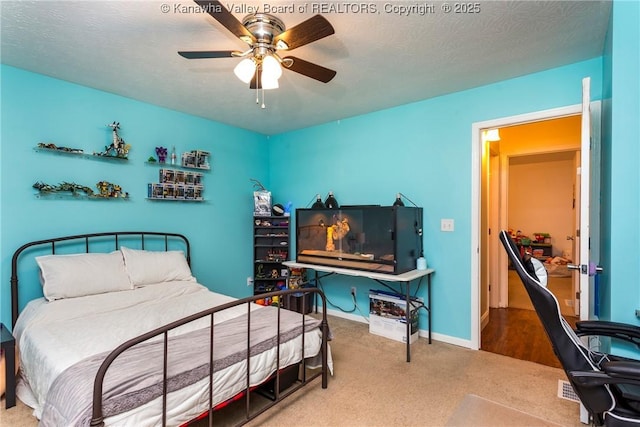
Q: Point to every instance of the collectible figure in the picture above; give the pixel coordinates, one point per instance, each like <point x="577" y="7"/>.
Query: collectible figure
<point x="118" y="147"/>
<point x="161" y="152"/>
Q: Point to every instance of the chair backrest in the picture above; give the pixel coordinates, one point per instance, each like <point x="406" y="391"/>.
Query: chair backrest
<point x="569" y="349"/>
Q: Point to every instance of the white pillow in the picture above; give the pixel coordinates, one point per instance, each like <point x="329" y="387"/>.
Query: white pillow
<point x="69" y="276"/>
<point x="149" y="267"/>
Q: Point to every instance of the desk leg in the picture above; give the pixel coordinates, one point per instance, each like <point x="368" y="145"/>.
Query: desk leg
<point x="10" y="374"/>
<point x="429" y="304"/>
<point x="408" y="318"/>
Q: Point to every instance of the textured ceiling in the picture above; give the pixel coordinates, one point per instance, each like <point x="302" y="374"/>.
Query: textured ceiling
<point x="382" y="58"/>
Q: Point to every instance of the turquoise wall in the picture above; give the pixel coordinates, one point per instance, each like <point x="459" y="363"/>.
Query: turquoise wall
<point x="37" y="109"/>
<point x="604" y="294"/>
<point x="621" y="162"/>
<point x="424" y="151"/>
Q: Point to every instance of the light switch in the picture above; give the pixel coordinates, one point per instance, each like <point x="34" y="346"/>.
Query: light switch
<point x="446" y="225"/>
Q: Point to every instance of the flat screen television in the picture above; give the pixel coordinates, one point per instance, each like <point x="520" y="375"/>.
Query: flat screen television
<point x="387" y="239"/>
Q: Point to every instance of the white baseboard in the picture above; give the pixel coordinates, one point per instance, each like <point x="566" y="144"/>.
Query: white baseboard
<point x="343" y="315"/>
<point x="422" y="333"/>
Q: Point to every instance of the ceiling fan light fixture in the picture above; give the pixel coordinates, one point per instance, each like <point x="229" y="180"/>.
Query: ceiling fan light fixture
<point x="245" y="70"/>
<point x="269" y="82"/>
<point x="271" y="69"/>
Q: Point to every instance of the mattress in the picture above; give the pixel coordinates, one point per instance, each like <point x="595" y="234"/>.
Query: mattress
<point x="52" y="336"/>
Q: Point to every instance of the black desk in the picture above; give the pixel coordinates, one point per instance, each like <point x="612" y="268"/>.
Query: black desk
<point x="404" y="278"/>
<point x="8" y="345"/>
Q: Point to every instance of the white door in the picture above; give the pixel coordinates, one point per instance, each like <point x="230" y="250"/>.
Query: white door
<point x="588" y="231"/>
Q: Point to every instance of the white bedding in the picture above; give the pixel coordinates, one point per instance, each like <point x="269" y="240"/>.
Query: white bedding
<point x="52" y="336"/>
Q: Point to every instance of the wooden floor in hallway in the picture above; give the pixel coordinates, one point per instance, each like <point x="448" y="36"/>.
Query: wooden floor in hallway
<point x="518" y="333"/>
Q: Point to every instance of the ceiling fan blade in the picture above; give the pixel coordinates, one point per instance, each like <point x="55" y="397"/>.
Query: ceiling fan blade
<point x="310" y="70"/>
<point x="223" y="16"/>
<point x="207" y="54"/>
<point x="314" y="28"/>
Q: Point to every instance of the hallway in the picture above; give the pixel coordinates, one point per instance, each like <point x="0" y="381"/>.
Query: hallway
<point x="517" y="332"/>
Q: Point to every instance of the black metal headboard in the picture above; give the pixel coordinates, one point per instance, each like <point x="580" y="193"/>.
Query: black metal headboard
<point x="87" y="238"/>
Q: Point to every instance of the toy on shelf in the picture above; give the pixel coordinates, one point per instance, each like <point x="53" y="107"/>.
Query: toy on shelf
<point x="110" y="190"/>
<point x="106" y="190"/>
<point x="51" y="146"/>
<point x="198" y="159"/>
<point x="118" y="147"/>
<point x="161" y="152"/>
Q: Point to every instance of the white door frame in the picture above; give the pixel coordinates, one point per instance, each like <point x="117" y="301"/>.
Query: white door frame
<point x="476" y="194"/>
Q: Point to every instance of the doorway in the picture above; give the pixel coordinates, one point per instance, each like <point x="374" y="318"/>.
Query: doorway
<point x="487" y="261"/>
<point x="531" y="179"/>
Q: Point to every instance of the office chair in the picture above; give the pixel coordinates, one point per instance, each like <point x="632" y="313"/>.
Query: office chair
<point x="608" y="386"/>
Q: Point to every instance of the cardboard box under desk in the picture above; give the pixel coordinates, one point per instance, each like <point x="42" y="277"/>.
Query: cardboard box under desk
<point x="387" y="316"/>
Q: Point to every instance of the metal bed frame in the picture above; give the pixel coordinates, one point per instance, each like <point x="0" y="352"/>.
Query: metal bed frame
<point x="182" y="241"/>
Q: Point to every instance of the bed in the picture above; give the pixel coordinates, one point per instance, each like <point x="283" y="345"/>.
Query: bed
<point x="125" y="335"/>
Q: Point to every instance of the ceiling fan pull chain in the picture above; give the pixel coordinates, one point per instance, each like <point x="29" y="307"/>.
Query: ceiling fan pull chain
<point x="263" y="106"/>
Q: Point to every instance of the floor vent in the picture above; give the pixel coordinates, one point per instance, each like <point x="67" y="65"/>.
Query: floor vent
<point x="565" y="391"/>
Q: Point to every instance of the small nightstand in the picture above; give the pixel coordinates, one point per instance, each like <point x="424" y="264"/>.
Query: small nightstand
<point x="8" y="345"/>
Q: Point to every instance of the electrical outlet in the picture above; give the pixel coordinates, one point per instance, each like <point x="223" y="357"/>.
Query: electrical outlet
<point x="353" y="291"/>
<point x="446" y="225"/>
<point x="249" y="281"/>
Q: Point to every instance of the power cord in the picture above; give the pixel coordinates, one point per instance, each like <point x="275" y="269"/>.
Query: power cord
<point x="353" y="296"/>
<point x="355" y="306"/>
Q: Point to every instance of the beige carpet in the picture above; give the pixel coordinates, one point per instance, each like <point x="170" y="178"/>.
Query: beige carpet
<point x="373" y="386"/>
<point x="479" y="412"/>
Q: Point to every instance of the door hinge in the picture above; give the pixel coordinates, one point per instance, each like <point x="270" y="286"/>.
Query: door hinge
<point x="578" y="295"/>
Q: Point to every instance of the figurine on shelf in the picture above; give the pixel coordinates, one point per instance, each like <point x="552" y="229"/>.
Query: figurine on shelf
<point x="51" y="146"/>
<point x="71" y="187"/>
<point x="162" y="154"/>
<point x="118" y="148"/>
<point x="260" y="273"/>
<point x="110" y="190"/>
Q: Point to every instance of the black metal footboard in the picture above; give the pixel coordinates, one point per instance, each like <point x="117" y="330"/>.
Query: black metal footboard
<point x="97" y="414"/>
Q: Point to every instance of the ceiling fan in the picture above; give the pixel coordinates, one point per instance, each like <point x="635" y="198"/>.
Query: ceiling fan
<point x="266" y="35"/>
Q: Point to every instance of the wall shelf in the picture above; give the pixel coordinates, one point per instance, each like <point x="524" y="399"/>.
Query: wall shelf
<point x="58" y="196"/>
<point x="176" y="183"/>
<point x="80" y="155"/>
<point x="157" y="199"/>
<point x="176" y="166"/>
